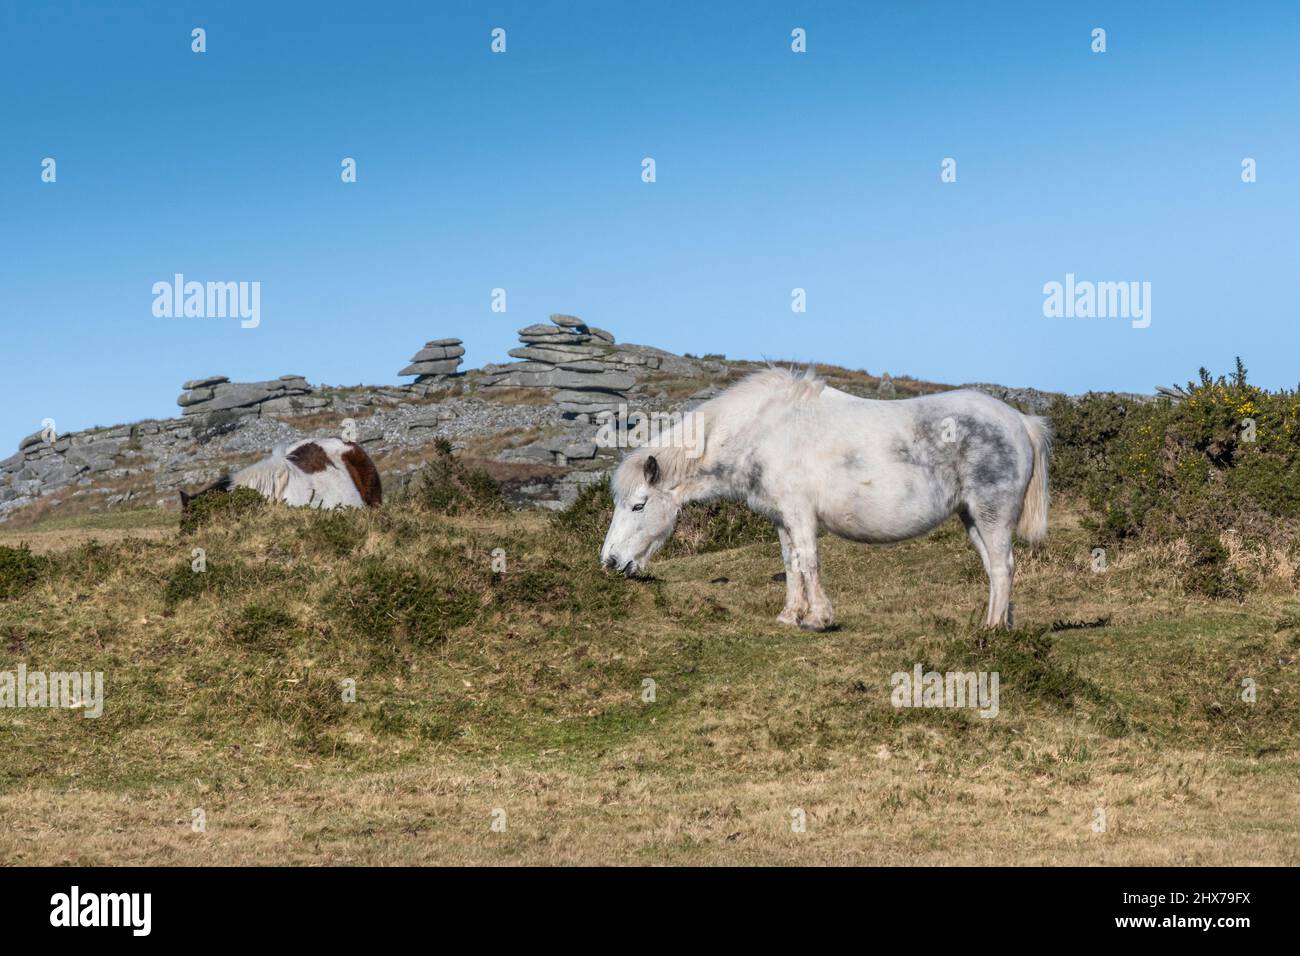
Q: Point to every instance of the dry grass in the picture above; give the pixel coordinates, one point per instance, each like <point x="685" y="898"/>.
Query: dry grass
<point x="317" y="421"/>
<point x="505" y="395"/>
<point x="525" y="695"/>
<point x="66" y="504"/>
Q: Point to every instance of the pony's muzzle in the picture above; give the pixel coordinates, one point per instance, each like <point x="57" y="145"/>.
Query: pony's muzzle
<point x="622" y="567"/>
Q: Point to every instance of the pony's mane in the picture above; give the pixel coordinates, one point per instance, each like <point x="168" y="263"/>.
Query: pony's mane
<point x="722" y="413"/>
<point x="797" y="385"/>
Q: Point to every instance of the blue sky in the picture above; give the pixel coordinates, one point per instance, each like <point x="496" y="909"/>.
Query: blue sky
<point x="523" y="171"/>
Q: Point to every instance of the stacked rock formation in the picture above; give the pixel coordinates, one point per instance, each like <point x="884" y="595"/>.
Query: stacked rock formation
<point x="582" y="362"/>
<point x="286" y="395"/>
<point x="437" y="360"/>
<point x="43" y="462"/>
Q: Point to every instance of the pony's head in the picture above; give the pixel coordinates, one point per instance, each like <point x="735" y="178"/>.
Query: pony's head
<point x="220" y="485"/>
<point x="645" y="514"/>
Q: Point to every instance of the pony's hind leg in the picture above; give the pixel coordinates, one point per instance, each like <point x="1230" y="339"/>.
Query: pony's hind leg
<point x="973" y="532"/>
<point x="796" y="598"/>
<point x="1002" y="568"/>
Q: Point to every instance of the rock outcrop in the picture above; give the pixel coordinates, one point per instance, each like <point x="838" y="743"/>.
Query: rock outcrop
<point x="437" y="360"/>
<point x="286" y="395"/>
<point x="589" y="371"/>
<point x="45" y="462"/>
<point x="147" y="461"/>
<point x="223" y="424"/>
<point x="547" y="450"/>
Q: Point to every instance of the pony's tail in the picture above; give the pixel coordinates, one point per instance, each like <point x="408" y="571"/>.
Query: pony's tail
<point x="269" y="478"/>
<point x="1033" y="512"/>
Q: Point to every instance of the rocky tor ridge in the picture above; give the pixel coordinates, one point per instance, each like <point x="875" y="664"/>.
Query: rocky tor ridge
<point x="533" y="421"/>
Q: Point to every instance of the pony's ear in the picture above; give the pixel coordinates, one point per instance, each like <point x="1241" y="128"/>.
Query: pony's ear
<point x="651" y="470"/>
<point x="185" y="500"/>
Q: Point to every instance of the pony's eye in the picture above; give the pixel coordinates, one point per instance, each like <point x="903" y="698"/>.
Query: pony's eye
<point x="640" y="507"/>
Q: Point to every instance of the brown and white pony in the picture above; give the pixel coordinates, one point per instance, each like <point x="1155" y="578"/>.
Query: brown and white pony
<point x="315" y="473"/>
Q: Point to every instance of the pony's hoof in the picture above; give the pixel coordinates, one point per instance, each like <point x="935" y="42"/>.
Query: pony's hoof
<point x="815" y="623"/>
<point x="788" y="617"/>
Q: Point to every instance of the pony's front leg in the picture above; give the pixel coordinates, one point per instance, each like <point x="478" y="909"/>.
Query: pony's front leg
<point x="796" y="599"/>
<point x="803" y="557"/>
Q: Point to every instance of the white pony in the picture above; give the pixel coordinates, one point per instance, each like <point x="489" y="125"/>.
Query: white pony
<point x="811" y="457"/>
<point x="316" y="473"/>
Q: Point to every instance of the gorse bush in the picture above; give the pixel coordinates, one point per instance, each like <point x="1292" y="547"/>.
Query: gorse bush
<point x="446" y="486"/>
<point x="221" y="508"/>
<point x="586" y="520"/>
<point x="1227" y="456"/>
<point x="1084" y="431"/>
<point x="19" y="570"/>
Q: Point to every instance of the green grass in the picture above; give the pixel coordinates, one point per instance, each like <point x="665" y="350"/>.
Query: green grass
<point x="114" y="520"/>
<point x="524" y="687"/>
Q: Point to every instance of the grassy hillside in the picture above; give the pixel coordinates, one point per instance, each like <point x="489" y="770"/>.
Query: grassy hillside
<point x="522" y="691"/>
